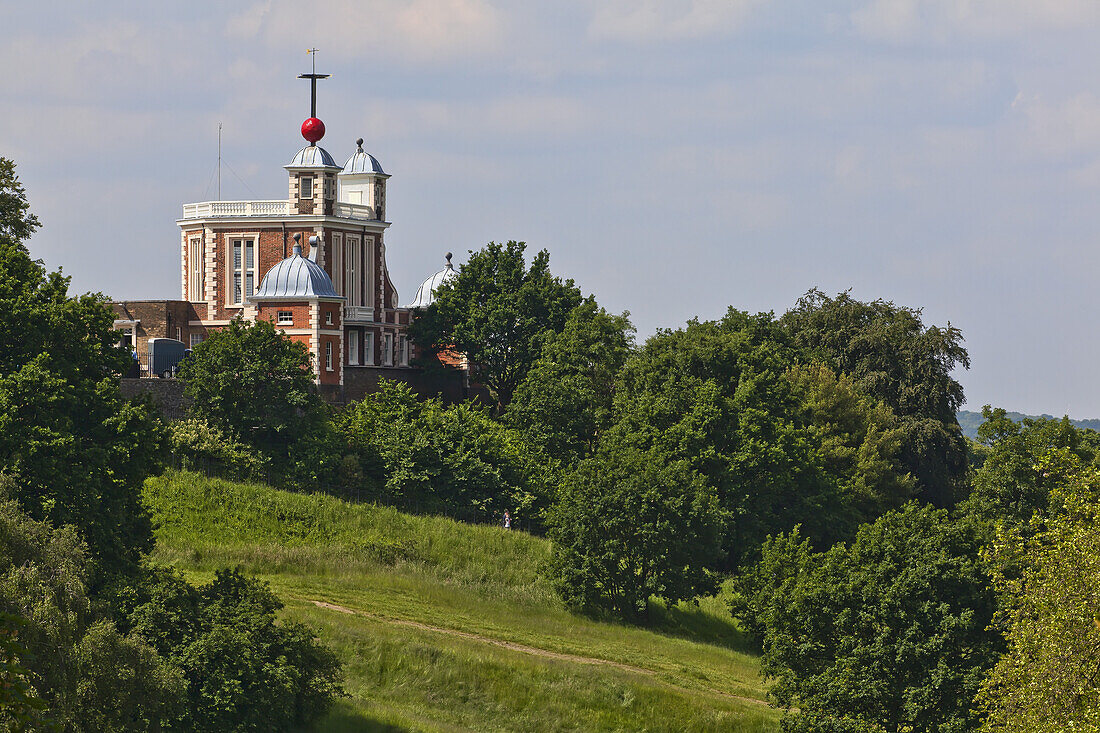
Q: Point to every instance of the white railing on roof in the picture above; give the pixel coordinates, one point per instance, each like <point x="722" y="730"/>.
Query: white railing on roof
<point x="205" y="209"/>
<point x="354" y="211"/>
<point x="358" y="314"/>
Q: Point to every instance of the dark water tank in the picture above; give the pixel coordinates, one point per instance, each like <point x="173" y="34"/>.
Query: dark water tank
<point x="164" y="355"/>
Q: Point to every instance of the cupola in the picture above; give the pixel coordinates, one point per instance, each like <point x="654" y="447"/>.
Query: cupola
<point x="426" y="293"/>
<point x="362" y="182"/>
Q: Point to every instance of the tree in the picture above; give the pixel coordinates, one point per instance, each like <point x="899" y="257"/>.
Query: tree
<point x="243" y="670"/>
<point x="88" y="676"/>
<point x="1015" y="480"/>
<point x="782" y="444"/>
<point x="858" y="442"/>
<point x="1048" y="681"/>
<point x="255" y="382"/>
<point x="79" y="451"/>
<point x="566" y="400"/>
<point x="629" y="525"/>
<point x="454" y="458"/>
<point x="893" y="357"/>
<point x="499" y="313"/>
<point x="890" y="633"/>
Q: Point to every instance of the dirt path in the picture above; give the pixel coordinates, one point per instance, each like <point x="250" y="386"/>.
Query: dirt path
<point x="534" y="651"/>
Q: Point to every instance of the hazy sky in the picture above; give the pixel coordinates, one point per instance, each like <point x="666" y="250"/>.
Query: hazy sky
<point x="676" y="158"/>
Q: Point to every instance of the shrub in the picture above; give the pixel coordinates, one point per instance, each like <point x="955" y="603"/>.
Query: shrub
<point x="200" y="445"/>
<point x="243" y="670"/>
<point x="629" y="525"/>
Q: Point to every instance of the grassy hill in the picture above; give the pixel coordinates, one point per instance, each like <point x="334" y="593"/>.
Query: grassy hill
<point x="444" y="626"/>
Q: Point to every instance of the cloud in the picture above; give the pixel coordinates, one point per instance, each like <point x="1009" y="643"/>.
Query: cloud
<point x="1070" y="127"/>
<point x="654" y="20"/>
<point x="384" y="30"/>
<point x="908" y="21"/>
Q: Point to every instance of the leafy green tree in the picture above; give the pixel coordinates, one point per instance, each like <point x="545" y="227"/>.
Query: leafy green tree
<point x="782" y="444"/>
<point x="20" y="704"/>
<point x="243" y="670"/>
<point x="891" y="633"/>
<point x="893" y="357"/>
<point x="253" y="381"/>
<point x="79" y="451"/>
<point x="499" y="313"/>
<point x="445" y="457"/>
<point x="858" y="441"/>
<point x="88" y="676"/>
<point x="627" y="526"/>
<point x="566" y="400"/>
<point x="1016" y="477"/>
<point x="1048" y="681"/>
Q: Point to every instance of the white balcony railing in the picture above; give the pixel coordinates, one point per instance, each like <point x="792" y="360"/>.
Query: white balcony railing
<point x="358" y="314"/>
<point x="354" y="211"/>
<point x="208" y="209"/>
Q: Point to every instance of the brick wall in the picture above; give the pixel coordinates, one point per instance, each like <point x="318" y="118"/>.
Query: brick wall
<point x="158" y="319"/>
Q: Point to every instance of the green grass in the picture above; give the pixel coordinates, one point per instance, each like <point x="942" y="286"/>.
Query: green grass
<point x="394" y="570"/>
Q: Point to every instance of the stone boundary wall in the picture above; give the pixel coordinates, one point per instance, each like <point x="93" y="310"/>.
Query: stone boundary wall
<point x="167" y="395"/>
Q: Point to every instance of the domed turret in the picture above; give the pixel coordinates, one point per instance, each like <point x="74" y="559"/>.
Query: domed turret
<point x="312" y="156"/>
<point x="296" y="278"/>
<point x="362" y="182"/>
<point x="426" y="294"/>
<point x="362" y="162"/>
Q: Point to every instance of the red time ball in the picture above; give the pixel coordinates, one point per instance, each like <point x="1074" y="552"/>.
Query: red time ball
<point x="313" y="130"/>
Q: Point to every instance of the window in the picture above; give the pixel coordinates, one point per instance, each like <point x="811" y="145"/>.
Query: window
<point x="306" y="191"/>
<point x="285" y="318"/>
<point x="353" y="347"/>
<point x="368" y="348"/>
<point x="195" y="269"/>
<point x="196" y="339"/>
<point x="403" y="350"/>
<point x="328" y="356"/>
<point x="179" y="334"/>
<point x="328" y="318"/>
<point x="353" y="283"/>
<point x="338" y="262"/>
<point x="387" y="349"/>
<point x="244" y="269"/>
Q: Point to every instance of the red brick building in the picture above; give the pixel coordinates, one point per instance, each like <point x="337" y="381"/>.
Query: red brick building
<point x="314" y="263"/>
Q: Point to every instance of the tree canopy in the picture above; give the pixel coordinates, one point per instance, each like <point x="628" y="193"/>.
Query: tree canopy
<point x="889" y="633"/>
<point x="499" y="312"/>
<point x="894" y="357"/>
<point x="629" y="525"/>
<point x="252" y="381"/>
<point x="1049" y="679"/>
<point x="566" y="400"/>
<point x="77" y="450"/>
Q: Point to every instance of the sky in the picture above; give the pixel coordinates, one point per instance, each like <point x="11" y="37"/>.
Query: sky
<point x="676" y="158"/>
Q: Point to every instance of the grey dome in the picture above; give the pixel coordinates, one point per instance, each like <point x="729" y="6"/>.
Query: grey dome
<point x="362" y="162"/>
<point x="296" y="278"/>
<point x="426" y="294"/>
<point x="312" y="156"/>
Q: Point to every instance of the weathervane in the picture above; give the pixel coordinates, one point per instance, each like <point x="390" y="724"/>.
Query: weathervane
<point x="313" y="129"/>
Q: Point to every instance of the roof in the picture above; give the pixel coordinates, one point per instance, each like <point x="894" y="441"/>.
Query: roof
<point x="426" y="294"/>
<point x="312" y="156"/>
<point x="295" y="278"/>
<point x="362" y="162"/>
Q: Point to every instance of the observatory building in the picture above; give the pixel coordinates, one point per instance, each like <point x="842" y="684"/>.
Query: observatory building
<point x="313" y="263"/>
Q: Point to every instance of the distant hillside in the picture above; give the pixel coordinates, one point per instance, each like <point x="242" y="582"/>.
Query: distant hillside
<point x="969" y="421"/>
